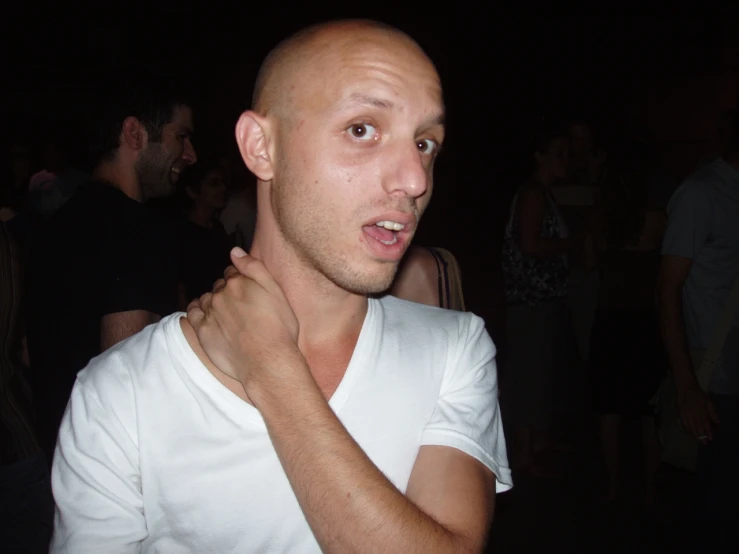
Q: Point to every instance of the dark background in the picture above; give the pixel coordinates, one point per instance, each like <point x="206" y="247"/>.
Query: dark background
<point x="502" y="71"/>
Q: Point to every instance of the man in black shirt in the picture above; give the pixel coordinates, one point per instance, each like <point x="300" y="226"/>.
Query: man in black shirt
<point x="105" y="267"/>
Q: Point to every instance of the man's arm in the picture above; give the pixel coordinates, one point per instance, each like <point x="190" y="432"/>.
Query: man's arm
<point x="696" y="411"/>
<point x="688" y="228"/>
<point x="138" y="282"/>
<point x="350" y="505"/>
<point x="95" y="476"/>
<point x="119" y="326"/>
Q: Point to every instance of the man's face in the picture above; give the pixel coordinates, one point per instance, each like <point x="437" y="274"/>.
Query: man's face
<point x="212" y="192"/>
<point x="354" y="161"/>
<point x="160" y="163"/>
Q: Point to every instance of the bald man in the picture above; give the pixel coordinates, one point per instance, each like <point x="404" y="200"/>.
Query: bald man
<point x="295" y="409"/>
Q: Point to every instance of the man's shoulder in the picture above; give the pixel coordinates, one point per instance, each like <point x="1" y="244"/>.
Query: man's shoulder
<point x="696" y="190"/>
<point x="86" y="217"/>
<point x="706" y="177"/>
<point x="403" y="314"/>
<point x="128" y="364"/>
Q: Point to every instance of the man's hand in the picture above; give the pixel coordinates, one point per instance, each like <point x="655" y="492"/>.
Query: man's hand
<point x="246" y="325"/>
<point x="696" y="411"/>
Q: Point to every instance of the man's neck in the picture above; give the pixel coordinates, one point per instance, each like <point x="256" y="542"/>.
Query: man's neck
<point x="327" y="314"/>
<point x="121" y="177"/>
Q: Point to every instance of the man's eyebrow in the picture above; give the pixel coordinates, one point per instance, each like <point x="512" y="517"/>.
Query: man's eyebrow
<point x="369" y="100"/>
<point x="377" y="102"/>
<point x="439" y="119"/>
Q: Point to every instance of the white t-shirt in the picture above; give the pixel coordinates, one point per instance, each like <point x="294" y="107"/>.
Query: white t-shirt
<point x="156" y="455"/>
<point x="703" y="225"/>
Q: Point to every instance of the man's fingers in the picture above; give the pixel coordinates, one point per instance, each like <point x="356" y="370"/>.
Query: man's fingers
<point x="198" y="308"/>
<point x="691" y="426"/>
<point x="712" y="413"/>
<point x="700" y="425"/>
<point x="219" y="285"/>
<point x="195" y="315"/>
<point x="254" y="269"/>
<point x="231" y="271"/>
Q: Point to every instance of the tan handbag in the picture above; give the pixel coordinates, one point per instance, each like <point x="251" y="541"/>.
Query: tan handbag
<point x="679" y="448"/>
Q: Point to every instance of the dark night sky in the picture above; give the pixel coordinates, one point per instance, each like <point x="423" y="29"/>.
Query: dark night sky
<point x="501" y="73"/>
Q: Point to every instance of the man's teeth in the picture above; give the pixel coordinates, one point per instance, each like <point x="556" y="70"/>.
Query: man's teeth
<point x="391" y="225"/>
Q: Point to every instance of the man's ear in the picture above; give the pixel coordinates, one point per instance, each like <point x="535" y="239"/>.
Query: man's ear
<point x="133" y="134"/>
<point x="253" y="137"/>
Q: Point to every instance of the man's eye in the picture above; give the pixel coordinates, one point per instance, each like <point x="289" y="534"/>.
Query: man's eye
<point x="427" y="146"/>
<point x="362" y="131"/>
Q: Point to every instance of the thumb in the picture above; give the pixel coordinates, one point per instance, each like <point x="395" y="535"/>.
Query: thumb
<point x="240" y="258"/>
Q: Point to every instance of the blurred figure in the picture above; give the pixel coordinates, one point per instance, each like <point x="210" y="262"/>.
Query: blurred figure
<point x="538" y="327"/>
<point x="204" y="246"/>
<point x="17" y="171"/>
<point x="576" y="198"/>
<point x="105" y="265"/>
<point x="700" y="264"/>
<point x="430" y="276"/>
<point x="56" y="181"/>
<point x="239" y="216"/>
<point x="627" y="360"/>
<point x="26" y="505"/>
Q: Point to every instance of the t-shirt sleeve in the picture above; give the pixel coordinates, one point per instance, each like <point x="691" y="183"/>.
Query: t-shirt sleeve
<point x="96" y="480"/>
<point x="467" y="414"/>
<point x="689" y="221"/>
<point x="141" y="271"/>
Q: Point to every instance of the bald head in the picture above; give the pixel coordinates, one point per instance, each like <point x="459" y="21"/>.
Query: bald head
<point x="289" y="66"/>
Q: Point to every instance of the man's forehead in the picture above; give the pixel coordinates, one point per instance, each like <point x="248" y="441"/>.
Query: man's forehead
<point x="182" y="116"/>
<point x="433" y="110"/>
<point x="375" y="82"/>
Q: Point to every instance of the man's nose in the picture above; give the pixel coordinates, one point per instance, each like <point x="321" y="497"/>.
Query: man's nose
<point x="409" y="174"/>
<point x="188" y="154"/>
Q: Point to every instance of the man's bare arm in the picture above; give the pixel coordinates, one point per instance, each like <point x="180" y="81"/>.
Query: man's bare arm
<point x="119" y="326"/>
<point x="696" y="411"/>
<point x="350" y="505"/>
